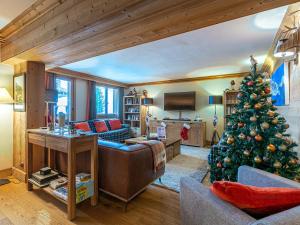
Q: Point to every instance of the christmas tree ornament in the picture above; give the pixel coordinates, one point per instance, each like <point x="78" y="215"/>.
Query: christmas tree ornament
<point x="258" y="137"/>
<point x="252" y="133"/>
<point x="257" y="159"/>
<point x="267" y="90"/>
<point x="277" y="165"/>
<point x="259" y="80"/>
<point x="250" y="83"/>
<point x="282" y="147"/>
<point x="242" y="136"/>
<point x="230" y="140"/>
<point x="233" y="111"/>
<point x="219" y="165"/>
<point x="257" y="106"/>
<point x="278" y="135"/>
<point x="253" y="118"/>
<point x="271" y="113"/>
<point x="246" y="153"/>
<point x="265" y="125"/>
<point x="288" y="140"/>
<point x="286" y="126"/>
<point x="240" y="124"/>
<point x="239" y="95"/>
<point x="229" y="124"/>
<point x="247" y="105"/>
<point x="275" y="121"/>
<point x="227" y="160"/>
<point x="253" y="96"/>
<point x="262" y="93"/>
<point x="271" y="148"/>
<point x="293" y="161"/>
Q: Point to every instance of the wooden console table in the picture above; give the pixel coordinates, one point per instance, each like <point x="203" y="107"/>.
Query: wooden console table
<point x="71" y="145"/>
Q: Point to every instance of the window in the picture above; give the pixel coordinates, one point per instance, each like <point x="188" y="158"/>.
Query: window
<point x="107" y="100"/>
<point x="64" y="103"/>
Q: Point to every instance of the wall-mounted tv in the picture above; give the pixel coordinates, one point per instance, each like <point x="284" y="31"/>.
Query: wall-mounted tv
<point x="180" y="101"/>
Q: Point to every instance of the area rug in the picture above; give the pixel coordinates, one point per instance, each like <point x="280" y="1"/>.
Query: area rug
<point x="182" y="166"/>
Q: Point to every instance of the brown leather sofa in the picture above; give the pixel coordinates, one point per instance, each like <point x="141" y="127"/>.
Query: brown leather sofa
<point x="124" y="171"/>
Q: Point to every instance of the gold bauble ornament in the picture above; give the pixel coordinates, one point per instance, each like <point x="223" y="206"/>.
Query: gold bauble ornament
<point x="246" y="153"/>
<point x="271" y="148"/>
<point x="253" y="119"/>
<point x="257" y="159"/>
<point x="265" y="125"/>
<point x="275" y="121"/>
<point x="258" y="137"/>
<point x="286" y="126"/>
<point x="271" y="113"/>
<point x="262" y="93"/>
<point x="260" y="80"/>
<point x="278" y="135"/>
<point x="258" y="106"/>
<point x="293" y="161"/>
<point x="282" y="147"/>
<point x="227" y="159"/>
<point x="242" y="136"/>
<point x="277" y="165"/>
<point x="246" y="106"/>
<point x="230" y="140"/>
<point x="252" y="133"/>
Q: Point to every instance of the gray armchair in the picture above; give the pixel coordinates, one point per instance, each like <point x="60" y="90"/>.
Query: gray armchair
<point x="200" y="207"/>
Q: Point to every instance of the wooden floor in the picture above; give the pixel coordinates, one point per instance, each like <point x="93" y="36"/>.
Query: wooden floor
<point x="155" y="206"/>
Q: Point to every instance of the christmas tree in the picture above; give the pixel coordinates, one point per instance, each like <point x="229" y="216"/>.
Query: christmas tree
<point x="255" y="134"/>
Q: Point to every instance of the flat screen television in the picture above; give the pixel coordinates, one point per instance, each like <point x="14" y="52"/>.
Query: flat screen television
<point x="180" y="101"/>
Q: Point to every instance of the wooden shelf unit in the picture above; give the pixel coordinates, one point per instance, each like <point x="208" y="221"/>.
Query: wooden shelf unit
<point x="230" y="100"/>
<point x="134" y="114"/>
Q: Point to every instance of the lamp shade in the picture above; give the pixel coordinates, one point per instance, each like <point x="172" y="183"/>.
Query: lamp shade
<point x="51" y="96"/>
<point x="5" y="97"/>
<point x="215" y="99"/>
<point x="147" y="101"/>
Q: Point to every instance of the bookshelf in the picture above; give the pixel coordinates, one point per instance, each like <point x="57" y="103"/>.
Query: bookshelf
<point x="230" y="100"/>
<point x="134" y="114"/>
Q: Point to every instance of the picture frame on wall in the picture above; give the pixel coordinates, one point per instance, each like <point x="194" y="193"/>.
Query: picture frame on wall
<point x="280" y="85"/>
<point x="19" y="92"/>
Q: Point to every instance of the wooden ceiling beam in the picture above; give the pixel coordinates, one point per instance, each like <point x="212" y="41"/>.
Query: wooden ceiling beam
<point x="65" y="31"/>
<point x="191" y="79"/>
<point x="85" y="76"/>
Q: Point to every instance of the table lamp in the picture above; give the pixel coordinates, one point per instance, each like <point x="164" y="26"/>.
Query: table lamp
<point x="215" y="100"/>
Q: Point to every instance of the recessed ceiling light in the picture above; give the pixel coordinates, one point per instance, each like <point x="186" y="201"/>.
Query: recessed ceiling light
<point x="270" y="19"/>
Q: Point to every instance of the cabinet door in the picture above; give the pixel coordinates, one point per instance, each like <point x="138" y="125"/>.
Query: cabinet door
<point x="173" y="130"/>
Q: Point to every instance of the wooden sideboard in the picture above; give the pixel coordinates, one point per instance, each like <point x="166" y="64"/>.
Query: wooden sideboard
<point x="196" y="134"/>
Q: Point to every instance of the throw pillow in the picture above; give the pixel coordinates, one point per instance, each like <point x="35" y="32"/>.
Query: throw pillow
<point x="115" y="124"/>
<point x="257" y="201"/>
<point x="82" y="126"/>
<point x="100" y="126"/>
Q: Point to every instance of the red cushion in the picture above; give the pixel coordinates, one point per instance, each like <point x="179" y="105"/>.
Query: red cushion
<point x="82" y="126"/>
<point x="115" y="124"/>
<point x="100" y="126"/>
<point x="257" y="201"/>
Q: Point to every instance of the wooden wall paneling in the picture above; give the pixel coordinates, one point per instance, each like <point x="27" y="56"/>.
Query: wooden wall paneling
<point x="34" y="115"/>
<point x="69" y="30"/>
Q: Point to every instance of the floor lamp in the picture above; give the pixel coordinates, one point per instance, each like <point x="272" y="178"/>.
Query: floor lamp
<point x="5" y="98"/>
<point x="215" y="100"/>
<point x="147" y="102"/>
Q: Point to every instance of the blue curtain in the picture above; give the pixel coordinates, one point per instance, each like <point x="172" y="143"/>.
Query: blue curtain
<point x="92" y="112"/>
<point x="121" y="95"/>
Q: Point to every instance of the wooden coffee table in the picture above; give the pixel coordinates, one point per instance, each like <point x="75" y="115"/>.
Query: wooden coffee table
<point x="172" y="145"/>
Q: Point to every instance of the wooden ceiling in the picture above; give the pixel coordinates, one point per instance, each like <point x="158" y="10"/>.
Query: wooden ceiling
<point x="58" y="32"/>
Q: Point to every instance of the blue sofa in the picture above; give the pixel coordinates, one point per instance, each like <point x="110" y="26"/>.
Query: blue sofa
<point x="119" y="135"/>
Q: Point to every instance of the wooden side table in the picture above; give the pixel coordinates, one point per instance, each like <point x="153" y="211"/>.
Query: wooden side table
<point x="71" y="145"/>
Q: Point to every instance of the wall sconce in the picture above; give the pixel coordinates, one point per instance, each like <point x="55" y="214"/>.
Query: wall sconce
<point x="280" y="51"/>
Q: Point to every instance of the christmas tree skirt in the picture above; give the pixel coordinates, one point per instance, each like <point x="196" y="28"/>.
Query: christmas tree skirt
<point x="182" y="166"/>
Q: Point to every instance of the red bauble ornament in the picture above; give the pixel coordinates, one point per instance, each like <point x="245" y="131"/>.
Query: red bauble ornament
<point x="267" y="90"/>
<point x="219" y="165"/>
<point x="258" y="137"/>
<point x="240" y="124"/>
<point x="250" y="83"/>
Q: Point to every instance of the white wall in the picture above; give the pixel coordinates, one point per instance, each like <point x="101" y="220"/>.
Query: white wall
<point x="81" y="95"/>
<point x="203" y="90"/>
<point x="6" y="121"/>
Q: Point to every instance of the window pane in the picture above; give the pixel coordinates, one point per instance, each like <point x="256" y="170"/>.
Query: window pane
<point x="110" y="100"/>
<point x="100" y="100"/>
<point x="64" y="97"/>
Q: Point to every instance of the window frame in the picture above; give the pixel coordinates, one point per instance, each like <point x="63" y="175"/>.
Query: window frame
<point x="115" y="106"/>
